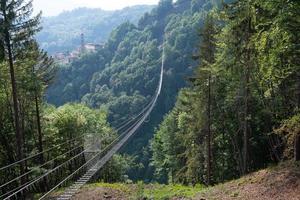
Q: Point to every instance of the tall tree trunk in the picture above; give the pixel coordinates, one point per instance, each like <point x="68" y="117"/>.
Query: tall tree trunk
<point x="45" y="185"/>
<point x="18" y="130"/>
<point x="223" y="157"/>
<point x="246" y="124"/>
<point x="209" y="132"/>
<point x="246" y="97"/>
<point x="39" y="129"/>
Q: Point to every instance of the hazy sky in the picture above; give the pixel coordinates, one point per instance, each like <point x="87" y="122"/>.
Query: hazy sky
<point x="54" y="7"/>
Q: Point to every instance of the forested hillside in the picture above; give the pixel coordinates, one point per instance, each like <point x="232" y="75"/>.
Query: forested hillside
<point x="241" y="112"/>
<point x="123" y="76"/>
<point x="62" y="33"/>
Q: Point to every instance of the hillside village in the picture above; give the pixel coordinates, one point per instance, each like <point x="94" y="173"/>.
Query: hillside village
<point x="68" y="57"/>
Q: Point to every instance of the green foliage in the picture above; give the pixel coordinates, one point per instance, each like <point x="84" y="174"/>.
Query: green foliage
<point x="176" y="149"/>
<point x="140" y="191"/>
<point x="76" y="120"/>
<point x="289" y="130"/>
<point x="163" y="192"/>
<point x="77" y="117"/>
<point x="116" y="186"/>
<point x="116" y="170"/>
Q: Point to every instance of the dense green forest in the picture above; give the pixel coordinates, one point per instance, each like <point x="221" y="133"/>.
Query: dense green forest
<point x="62" y="33"/>
<point x="241" y="110"/>
<point x="229" y="104"/>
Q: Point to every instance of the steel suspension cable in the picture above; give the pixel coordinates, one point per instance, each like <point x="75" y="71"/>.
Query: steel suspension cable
<point x="135" y="116"/>
<point x="119" y="127"/>
<point x="127" y="121"/>
<point x="46" y="174"/>
<point x="37" y="167"/>
<point x="45" y="151"/>
<point x="25" y="186"/>
<point x="133" y="128"/>
<point x="84" y="165"/>
<point x="42" y="165"/>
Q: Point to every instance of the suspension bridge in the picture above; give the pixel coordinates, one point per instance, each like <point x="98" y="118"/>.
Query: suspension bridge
<point x="92" y="165"/>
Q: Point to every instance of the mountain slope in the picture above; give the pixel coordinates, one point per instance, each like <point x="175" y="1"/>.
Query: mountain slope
<point x="123" y="75"/>
<point x="62" y="32"/>
<point x="281" y="183"/>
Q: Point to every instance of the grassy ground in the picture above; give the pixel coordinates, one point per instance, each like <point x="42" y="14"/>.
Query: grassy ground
<point x="138" y="191"/>
<point x="274" y="183"/>
<point x="162" y="192"/>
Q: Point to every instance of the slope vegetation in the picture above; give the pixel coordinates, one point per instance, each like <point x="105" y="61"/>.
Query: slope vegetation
<point x="281" y="182"/>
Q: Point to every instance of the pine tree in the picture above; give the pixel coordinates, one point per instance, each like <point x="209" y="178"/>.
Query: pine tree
<point x="240" y="30"/>
<point x="204" y="80"/>
<point x="43" y="72"/>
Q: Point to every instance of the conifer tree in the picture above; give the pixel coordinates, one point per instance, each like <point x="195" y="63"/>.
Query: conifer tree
<point x="240" y="29"/>
<point x="42" y="73"/>
<point x="204" y="80"/>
